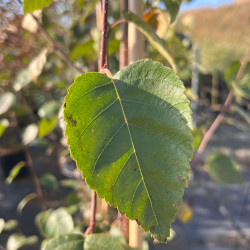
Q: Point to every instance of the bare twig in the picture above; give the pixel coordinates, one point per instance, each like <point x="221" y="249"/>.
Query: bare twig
<point x="55" y="46"/>
<point x="104" y="41"/>
<point x="91" y="228"/>
<point x="224" y="109"/>
<point x="121" y="21"/>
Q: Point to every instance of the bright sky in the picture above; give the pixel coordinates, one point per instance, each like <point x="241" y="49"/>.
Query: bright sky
<point x="204" y="3"/>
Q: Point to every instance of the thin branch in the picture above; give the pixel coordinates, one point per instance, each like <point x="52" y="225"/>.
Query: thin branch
<point x="224" y="109"/>
<point x="121" y="21"/>
<point x="91" y="228"/>
<point x="104" y="41"/>
<point x="55" y="46"/>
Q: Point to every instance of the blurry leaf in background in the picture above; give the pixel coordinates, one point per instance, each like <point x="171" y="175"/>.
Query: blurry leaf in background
<point x="16" y="241"/>
<point x="158" y="20"/>
<point x="85" y="50"/>
<point x="223" y="169"/>
<point x="37" y="64"/>
<point x="184" y="212"/>
<point x="72" y="198"/>
<point x="65" y="242"/>
<point x="49" y="109"/>
<point x="49" y="180"/>
<point x="102" y="242"/>
<point x="4" y="123"/>
<point x="10" y="225"/>
<point x="173" y="7"/>
<point x="30" y="133"/>
<point x="41" y="220"/>
<point x="23" y="79"/>
<point x="59" y="222"/>
<point x="71" y="183"/>
<point x="7" y="100"/>
<point x="198" y="136"/>
<point x="46" y="126"/>
<point x="113" y="46"/>
<point x="31" y="5"/>
<point x="2" y="223"/>
<point x="29" y="23"/>
<point x="24" y="202"/>
<point x="15" y="171"/>
<point x="151" y="36"/>
<point x="242" y="88"/>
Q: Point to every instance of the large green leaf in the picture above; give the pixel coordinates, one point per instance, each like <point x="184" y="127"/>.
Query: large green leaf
<point x="131" y="139"/>
<point x="223" y="169"/>
<point x="65" y="242"/>
<point x="151" y="36"/>
<point x="31" y="5"/>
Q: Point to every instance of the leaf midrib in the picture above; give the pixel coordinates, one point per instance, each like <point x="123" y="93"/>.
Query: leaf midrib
<point x="136" y="157"/>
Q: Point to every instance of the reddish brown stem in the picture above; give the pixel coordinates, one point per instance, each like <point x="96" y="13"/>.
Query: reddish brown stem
<point x="104" y="41"/>
<point x="91" y="228"/>
<point x="225" y="107"/>
<point x="121" y="21"/>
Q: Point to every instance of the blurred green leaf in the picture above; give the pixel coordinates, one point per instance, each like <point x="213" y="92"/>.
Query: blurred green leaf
<point x="150" y="34"/>
<point x="2" y="223"/>
<point x="49" y="180"/>
<point x="41" y="220"/>
<point x="71" y="183"/>
<point x="10" y="225"/>
<point x="15" y="171"/>
<point x="53" y="223"/>
<point x="6" y="101"/>
<point x="66" y="242"/>
<point x="49" y="109"/>
<point x="31" y="5"/>
<point x="102" y="242"/>
<point x="223" y="169"/>
<point x="72" y="198"/>
<point x="242" y="87"/>
<point x="198" y="136"/>
<point x="24" y="202"/>
<point x="173" y="7"/>
<point x="30" y="133"/>
<point x="16" y="241"/>
<point x="113" y="46"/>
<point x="22" y="80"/>
<point x="46" y="126"/>
<point x="4" y="123"/>
<point x="85" y="50"/>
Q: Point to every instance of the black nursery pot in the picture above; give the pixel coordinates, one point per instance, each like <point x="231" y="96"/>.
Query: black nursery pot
<point x="9" y="161"/>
